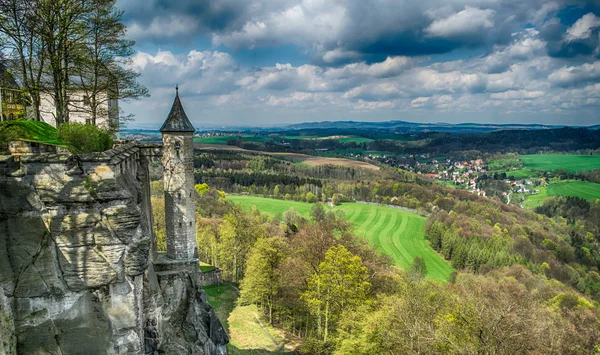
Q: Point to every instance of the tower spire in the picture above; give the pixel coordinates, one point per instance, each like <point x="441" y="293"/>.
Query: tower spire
<point x="178" y="162"/>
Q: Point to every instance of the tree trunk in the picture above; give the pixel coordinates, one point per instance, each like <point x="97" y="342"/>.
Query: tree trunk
<point x="326" y="320"/>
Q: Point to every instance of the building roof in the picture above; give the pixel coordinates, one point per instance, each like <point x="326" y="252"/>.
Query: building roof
<point x="7" y="80"/>
<point x="177" y="121"/>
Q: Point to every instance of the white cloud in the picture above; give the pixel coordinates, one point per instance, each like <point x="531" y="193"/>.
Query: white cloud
<point x="199" y="72"/>
<point x="470" y="21"/>
<point x="339" y="54"/>
<point x="167" y="26"/>
<point x="518" y="77"/>
<point x="567" y="76"/>
<point x="419" y="102"/>
<point x="582" y="28"/>
<point x="305" y="22"/>
<point x="517" y="95"/>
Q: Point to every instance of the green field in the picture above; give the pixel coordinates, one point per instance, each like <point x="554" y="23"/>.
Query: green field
<point x="551" y="162"/>
<point x="223" y="139"/>
<point x="521" y="173"/>
<point x="247" y="335"/>
<point x="397" y="233"/>
<point x="583" y="189"/>
<point x="355" y="139"/>
<point x="532" y="201"/>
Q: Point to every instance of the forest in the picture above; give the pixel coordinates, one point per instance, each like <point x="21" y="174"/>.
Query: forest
<point x="526" y="281"/>
<point x="440" y="143"/>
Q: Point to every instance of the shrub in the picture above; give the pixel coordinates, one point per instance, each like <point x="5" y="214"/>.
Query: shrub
<point x="85" y="138"/>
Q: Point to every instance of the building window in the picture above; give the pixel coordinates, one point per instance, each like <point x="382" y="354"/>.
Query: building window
<point x="179" y="224"/>
<point x="86" y="100"/>
<point x="190" y="224"/>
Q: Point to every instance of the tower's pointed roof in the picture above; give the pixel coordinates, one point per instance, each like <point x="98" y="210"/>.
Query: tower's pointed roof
<point x="177" y="120"/>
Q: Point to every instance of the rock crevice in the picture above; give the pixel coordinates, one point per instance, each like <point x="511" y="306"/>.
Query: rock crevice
<point x="76" y="264"/>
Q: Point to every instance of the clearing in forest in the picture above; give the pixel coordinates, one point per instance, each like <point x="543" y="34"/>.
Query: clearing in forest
<point x="551" y="162"/>
<point x="248" y="331"/>
<point x="582" y="189"/>
<point x="394" y="232"/>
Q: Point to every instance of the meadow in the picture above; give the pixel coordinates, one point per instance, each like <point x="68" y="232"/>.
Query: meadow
<point x="394" y="232"/>
<point x="583" y="189"/>
<point x="249" y="332"/>
<point x="551" y="162"/>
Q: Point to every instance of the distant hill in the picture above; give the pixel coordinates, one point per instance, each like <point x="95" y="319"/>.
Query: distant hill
<point x="354" y="127"/>
<point x="403" y="126"/>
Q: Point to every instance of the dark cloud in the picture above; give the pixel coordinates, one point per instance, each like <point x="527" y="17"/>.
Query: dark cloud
<point x="413" y="57"/>
<point x="338" y="32"/>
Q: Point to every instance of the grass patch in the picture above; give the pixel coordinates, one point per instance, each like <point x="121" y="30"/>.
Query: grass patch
<point x="551" y="162"/>
<point x="272" y="206"/>
<point x="532" y="201"/>
<point x="582" y="189"/>
<point x="246" y="334"/>
<point x="355" y="139"/>
<point x="521" y="173"/>
<point x="394" y="232"/>
<point x="204" y="267"/>
<point x="215" y="140"/>
<point x="32" y="131"/>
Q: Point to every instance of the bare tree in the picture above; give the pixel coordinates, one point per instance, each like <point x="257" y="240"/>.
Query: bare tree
<point x="102" y="69"/>
<point x="20" y="38"/>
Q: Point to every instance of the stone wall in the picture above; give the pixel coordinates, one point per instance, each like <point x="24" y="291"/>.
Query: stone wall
<point x="75" y="260"/>
<point x="208" y="278"/>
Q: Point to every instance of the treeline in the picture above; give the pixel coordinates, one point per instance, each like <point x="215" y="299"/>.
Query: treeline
<point x="436" y="143"/>
<point x="316" y="280"/>
<point x="226" y="160"/>
<point x="228" y="179"/>
<point x="473" y="233"/>
<point x="476" y="236"/>
<point x="591" y="176"/>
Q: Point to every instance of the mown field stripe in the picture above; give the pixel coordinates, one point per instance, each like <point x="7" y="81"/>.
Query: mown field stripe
<point x="394" y="232"/>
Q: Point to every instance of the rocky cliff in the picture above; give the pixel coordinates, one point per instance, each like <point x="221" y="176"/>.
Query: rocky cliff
<point x="76" y="262"/>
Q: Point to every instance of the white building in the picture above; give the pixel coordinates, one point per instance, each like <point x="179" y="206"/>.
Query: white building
<point x="80" y="110"/>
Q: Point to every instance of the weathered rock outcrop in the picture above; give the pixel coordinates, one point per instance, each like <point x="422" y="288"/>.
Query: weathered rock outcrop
<point x="8" y="340"/>
<point x="76" y="262"/>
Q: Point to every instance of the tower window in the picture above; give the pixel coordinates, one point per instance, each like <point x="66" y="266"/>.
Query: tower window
<point x="177" y="146"/>
<point x="179" y="195"/>
<point x="179" y="224"/>
<point x="190" y="224"/>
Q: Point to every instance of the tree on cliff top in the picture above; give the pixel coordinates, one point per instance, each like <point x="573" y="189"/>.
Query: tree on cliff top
<point x="57" y="47"/>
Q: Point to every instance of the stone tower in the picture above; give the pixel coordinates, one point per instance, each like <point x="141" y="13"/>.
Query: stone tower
<point x="178" y="162"/>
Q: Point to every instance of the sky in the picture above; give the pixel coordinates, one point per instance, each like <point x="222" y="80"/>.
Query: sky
<point x="265" y="62"/>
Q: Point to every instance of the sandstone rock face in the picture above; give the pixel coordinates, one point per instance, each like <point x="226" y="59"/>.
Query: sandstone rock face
<point x="179" y="300"/>
<point x="76" y="263"/>
<point x="8" y="340"/>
